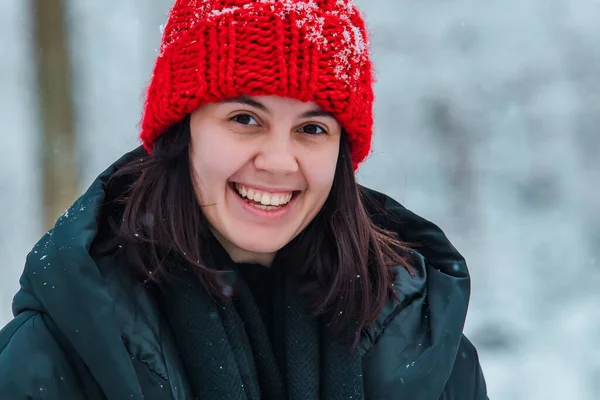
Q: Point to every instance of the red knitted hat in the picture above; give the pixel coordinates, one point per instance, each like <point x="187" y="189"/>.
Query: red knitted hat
<point x="310" y="50"/>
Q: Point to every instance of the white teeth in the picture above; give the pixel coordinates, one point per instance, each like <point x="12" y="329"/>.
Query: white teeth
<point x="266" y="208"/>
<point x="265" y="199"/>
<point x="269" y="200"/>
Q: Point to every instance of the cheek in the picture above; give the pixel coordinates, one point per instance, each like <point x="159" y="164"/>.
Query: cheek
<point x="215" y="152"/>
<point x="214" y="161"/>
<point x="206" y="145"/>
<point x="320" y="171"/>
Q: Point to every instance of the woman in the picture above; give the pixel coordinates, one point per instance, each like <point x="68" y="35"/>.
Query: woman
<point x="234" y="256"/>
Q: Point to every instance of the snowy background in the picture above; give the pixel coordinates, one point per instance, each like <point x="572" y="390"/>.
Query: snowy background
<point x="487" y="122"/>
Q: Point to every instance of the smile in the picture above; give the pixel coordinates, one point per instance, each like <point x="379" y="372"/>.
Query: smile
<point x="263" y="200"/>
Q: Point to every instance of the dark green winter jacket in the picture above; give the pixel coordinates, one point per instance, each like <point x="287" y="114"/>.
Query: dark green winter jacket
<point x="83" y="329"/>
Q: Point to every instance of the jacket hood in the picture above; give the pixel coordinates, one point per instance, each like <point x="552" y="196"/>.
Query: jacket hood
<point x="415" y="342"/>
<point x="413" y="345"/>
<point x="61" y="279"/>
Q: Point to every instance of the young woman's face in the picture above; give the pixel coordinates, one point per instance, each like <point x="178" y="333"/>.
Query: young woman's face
<point x="263" y="168"/>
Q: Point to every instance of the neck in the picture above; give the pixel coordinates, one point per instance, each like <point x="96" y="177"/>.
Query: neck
<point x="241" y="256"/>
<point x="244" y="257"/>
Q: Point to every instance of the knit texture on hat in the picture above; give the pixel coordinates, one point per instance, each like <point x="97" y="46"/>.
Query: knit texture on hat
<point x="310" y="50"/>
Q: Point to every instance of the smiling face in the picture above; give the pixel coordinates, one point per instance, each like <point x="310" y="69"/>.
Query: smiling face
<point x="263" y="167"/>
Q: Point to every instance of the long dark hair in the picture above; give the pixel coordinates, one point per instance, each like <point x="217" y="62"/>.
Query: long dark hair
<point x="347" y="271"/>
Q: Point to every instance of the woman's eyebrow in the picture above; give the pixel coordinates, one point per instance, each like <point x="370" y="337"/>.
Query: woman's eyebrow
<point x="254" y="103"/>
<point x="247" y="101"/>
<point x="316" y="113"/>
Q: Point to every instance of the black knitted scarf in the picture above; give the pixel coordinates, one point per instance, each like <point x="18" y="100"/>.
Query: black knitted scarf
<point x="227" y="352"/>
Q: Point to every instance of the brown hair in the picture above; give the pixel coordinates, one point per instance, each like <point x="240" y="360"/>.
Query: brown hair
<point x="347" y="268"/>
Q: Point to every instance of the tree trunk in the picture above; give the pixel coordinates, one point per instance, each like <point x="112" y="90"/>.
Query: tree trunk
<point x="60" y="178"/>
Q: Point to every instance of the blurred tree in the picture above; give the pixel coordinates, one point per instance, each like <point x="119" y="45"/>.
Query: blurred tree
<point x="60" y="175"/>
<point x="456" y="145"/>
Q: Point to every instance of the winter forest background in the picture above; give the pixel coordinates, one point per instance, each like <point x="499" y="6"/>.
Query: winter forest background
<point x="487" y="122"/>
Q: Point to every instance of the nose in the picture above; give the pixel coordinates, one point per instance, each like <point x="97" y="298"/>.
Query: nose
<point x="276" y="154"/>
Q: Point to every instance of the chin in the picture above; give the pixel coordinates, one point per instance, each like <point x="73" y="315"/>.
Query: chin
<point x="259" y="245"/>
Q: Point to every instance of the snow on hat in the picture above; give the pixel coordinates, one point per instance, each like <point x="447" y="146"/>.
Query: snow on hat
<point x="310" y="50"/>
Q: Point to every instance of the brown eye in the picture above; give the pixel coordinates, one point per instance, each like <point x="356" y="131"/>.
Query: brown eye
<point x="244" y="119"/>
<point x="312" y="129"/>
